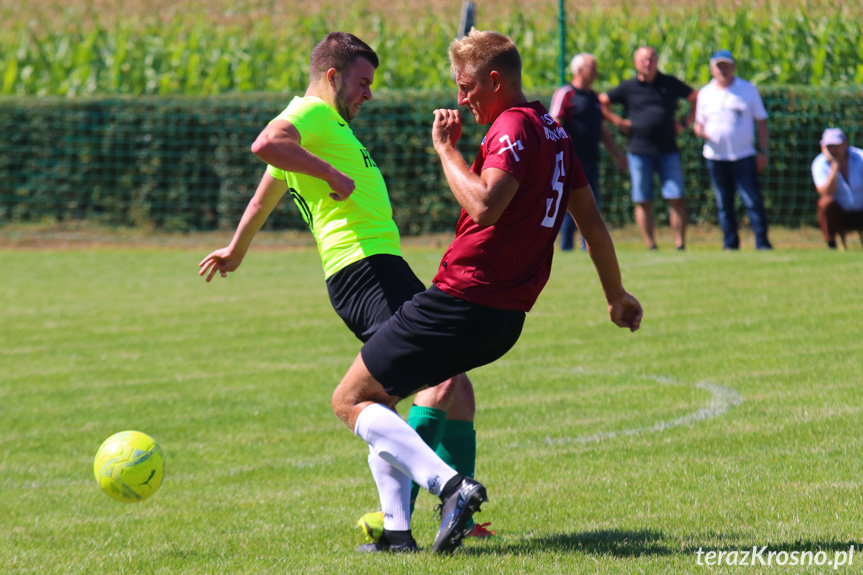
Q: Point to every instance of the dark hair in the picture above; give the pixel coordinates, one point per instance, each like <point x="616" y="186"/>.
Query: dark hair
<point x="339" y="50"/>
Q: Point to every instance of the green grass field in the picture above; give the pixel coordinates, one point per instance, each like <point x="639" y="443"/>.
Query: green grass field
<point x="731" y="420"/>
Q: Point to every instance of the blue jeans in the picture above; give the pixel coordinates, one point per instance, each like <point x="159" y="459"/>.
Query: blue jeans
<point x="641" y="168"/>
<point x="567" y="230"/>
<point x="728" y="177"/>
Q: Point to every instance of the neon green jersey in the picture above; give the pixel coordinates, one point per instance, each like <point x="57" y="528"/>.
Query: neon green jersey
<point x="362" y="225"/>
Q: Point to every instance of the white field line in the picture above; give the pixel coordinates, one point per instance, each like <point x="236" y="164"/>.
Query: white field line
<point x="721" y="400"/>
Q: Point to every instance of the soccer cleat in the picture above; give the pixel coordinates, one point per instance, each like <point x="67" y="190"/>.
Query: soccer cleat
<point x="383" y="546"/>
<point x="372" y="526"/>
<point x="456" y="511"/>
<point x="479" y="530"/>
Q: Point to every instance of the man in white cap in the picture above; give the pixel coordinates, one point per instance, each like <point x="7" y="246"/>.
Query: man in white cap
<point x="726" y="115"/>
<point x="838" y="175"/>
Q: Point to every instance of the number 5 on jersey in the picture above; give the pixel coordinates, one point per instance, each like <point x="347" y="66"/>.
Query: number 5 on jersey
<point x="552" y="203"/>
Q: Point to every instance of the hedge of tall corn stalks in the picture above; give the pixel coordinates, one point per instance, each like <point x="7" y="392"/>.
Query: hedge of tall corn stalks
<point x="193" y="54"/>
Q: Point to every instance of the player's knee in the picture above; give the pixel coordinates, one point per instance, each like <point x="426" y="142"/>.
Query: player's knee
<point x="446" y="391"/>
<point x="449" y="393"/>
<point x="825" y="201"/>
<point x="463" y="398"/>
<point x="439" y="397"/>
<point x="340" y="403"/>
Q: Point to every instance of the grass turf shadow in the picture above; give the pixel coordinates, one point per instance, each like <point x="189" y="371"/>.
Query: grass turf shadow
<point x="636" y="543"/>
<point x="618" y="543"/>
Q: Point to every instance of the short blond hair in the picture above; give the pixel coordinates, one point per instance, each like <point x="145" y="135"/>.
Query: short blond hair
<point x="481" y="52"/>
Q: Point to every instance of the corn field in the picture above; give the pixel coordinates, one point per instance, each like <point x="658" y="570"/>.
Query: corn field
<point x="97" y="48"/>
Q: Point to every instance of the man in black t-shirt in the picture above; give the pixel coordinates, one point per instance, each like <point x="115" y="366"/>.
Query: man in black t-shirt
<point x="650" y="103"/>
<point x="575" y="106"/>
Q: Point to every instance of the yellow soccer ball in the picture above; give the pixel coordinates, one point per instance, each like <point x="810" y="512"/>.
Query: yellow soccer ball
<point x="129" y="466"/>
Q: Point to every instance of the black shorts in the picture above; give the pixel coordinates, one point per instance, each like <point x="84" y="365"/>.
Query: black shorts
<point x="436" y="336"/>
<point x="367" y="293"/>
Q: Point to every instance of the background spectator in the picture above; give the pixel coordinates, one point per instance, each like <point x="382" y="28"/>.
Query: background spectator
<point x="728" y="108"/>
<point x="838" y="175"/>
<point x="576" y="107"/>
<point x="650" y="101"/>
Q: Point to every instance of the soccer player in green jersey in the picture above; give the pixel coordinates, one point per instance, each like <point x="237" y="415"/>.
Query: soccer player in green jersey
<point x="312" y="153"/>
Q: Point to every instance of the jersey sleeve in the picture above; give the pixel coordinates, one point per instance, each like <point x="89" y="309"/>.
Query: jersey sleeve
<point x="700" y="115"/>
<point x="759" y="112"/>
<point x="509" y="143"/>
<point x="820" y="170"/>
<point x="277" y="173"/>
<point x="680" y="88"/>
<point x="561" y="103"/>
<point x="618" y="94"/>
<point x="310" y="121"/>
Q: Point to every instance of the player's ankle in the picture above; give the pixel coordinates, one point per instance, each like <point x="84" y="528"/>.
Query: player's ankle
<point x="451" y="486"/>
<point x="396" y="538"/>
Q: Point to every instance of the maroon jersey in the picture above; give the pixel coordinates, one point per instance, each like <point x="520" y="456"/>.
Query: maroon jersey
<point x="507" y="264"/>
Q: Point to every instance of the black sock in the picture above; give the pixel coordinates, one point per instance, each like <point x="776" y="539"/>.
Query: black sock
<point x="451" y="486"/>
<point x="831" y="244"/>
<point x="397" y="537"/>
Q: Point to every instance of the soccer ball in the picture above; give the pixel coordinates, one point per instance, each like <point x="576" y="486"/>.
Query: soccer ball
<point x="129" y="466"/>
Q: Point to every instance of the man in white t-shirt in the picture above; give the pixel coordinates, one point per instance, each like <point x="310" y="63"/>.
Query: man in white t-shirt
<point x="728" y="111"/>
<point x="838" y="175"/>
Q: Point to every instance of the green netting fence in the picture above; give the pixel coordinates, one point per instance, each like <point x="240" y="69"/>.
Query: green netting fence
<point x="183" y="164"/>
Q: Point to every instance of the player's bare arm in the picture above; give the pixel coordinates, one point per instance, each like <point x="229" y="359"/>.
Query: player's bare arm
<point x="229" y="258"/>
<point x="624" y="310"/>
<point x="483" y="196"/>
<point x="280" y="145"/>
<point x="689" y="119"/>
<point x="828" y="188"/>
<point x="693" y="104"/>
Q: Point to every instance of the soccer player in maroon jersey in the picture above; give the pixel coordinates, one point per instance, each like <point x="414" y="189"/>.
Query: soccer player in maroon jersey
<point x="513" y="200"/>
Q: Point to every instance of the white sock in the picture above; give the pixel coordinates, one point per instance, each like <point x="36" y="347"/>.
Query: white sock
<point x="399" y="445"/>
<point x="394" y="488"/>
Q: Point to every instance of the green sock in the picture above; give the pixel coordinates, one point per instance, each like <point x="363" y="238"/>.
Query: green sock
<point x="458" y="448"/>
<point x="429" y="424"/>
